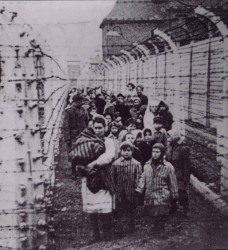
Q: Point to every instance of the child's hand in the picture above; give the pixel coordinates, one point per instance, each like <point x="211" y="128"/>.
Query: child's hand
<point x="90" y="168"/>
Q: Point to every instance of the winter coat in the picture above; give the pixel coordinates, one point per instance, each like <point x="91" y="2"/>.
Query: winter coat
<point x="167" y="117"/>
<point x="123" y="111"/>
<point x="159" y="184"/>
<point x="75" y="121"/>
<point x="179" y="157"/>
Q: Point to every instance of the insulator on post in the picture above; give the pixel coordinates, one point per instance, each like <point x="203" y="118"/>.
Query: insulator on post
<point x="19" y="138"/>
<point x="21" y="201"/>
<point x="36" y="157"/>
<point x="44" y="156"/>
<point x="23" y="189"/>
<point x="23" y="226"/>
<point x="34" y="130"/>
<point x="23" y="238"/>
<point x="38" y="182"/>
<point x="21" y="163"/>
<point x="32" y="104"/>
<point x="23" y="216"/>
<point x="39" y="198"/>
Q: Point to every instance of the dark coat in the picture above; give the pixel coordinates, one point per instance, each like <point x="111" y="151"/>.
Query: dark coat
<point x="179" y="158"/>
<point x="123" y="111"/>
<point x="146" y="151"/>
<point x="75" y="121"/>
<point x="166" y="115"/>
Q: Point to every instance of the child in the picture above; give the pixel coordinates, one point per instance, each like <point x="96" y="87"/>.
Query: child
<point x="178" y="155"/>
<point x="129" y="137"/>
<point x="126" y="172"/>
<point x="145" y="146"/>
<point x="114" y="133"/>
<point x="160" y="135"/>
<point x="159" y="183"/>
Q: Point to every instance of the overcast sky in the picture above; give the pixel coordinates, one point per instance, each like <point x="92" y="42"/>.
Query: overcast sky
<point x="71" y="27"/>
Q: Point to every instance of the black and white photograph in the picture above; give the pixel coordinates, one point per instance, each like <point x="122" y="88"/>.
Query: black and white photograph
<point x="114" y="125"/>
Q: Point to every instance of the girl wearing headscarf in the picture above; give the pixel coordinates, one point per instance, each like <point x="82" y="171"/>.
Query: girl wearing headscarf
<point x="159" y="184"/>
<point x="151" y="112"/>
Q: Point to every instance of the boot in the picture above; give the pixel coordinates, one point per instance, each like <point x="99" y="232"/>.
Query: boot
<point x="95" y="229"/>
<point x="106" y="223"/>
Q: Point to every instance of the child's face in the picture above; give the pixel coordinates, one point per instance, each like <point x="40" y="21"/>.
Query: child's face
<point x="138" y="139"/>
<point x="130" y="87"/>
<point x="126" y="153"/>
<point x="130" y="138"/>
<point x="119" y="120"/>
<point x="120" y="99"/>
<point x="108" y="119"/>
<point x="148" y="137"/>
<point x="131" y="126"/>
<point x="153" y="108"/>
<point x="156" y="153"/>
<point x="114" y="130"/>
<point x="157" y="126"/>
<point x="108" y="99"/>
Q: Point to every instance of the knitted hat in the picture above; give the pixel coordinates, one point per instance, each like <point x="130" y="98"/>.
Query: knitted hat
<point x="135" y="98"/>
<point x="161" y="147"/>
<point x="126" y="144"/>
<point x="120" y="95"/>
<point x="174" y="134"/>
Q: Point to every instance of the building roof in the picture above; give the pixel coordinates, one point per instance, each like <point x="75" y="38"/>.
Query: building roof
<point x="151" y="10"/>
<point x="136" y="10"/>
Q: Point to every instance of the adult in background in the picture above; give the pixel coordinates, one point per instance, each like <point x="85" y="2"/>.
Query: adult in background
<point x="163" y="111"/>
<point x="100" y="204"/>
<point x="121" y="109"/>
<point x="143" y="98"/>
<point x="109" y="106"/>
<point x="151" y="112"/>
<point x="100" y="103"/>
<point x="138" y="110"/>
<point x="179" y="156"/>
<point x="130" y="93"/>
<point x="75" y="121"/>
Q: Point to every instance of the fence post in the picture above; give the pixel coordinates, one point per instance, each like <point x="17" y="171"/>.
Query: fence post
<point x="190" y="83"/>
<point x="178" y="105"/>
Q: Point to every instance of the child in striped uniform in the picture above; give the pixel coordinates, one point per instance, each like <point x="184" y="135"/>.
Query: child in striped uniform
<point x="126" y="172"/>
<point x="159" y="183"/>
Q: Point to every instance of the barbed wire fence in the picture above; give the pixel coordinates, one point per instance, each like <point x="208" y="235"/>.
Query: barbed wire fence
<point x="187" y="70"/>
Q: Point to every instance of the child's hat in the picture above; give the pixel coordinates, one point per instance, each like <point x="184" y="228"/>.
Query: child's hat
<point x="126" y="144"/>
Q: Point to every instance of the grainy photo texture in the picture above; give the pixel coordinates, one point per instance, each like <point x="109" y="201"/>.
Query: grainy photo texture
<point x="114" y="125"/>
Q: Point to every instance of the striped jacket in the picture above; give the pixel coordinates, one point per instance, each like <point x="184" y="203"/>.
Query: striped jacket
<point x="126" y="174"/>
<point x="159" y="184"/>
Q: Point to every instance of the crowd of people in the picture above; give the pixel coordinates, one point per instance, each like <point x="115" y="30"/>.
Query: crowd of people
<point x="128" y="154"/>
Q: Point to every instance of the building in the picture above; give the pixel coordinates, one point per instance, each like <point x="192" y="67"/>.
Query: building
<point x="133" y="21"/>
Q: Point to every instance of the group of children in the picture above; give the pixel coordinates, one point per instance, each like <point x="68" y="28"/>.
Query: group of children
<point x="152" y="165"/>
